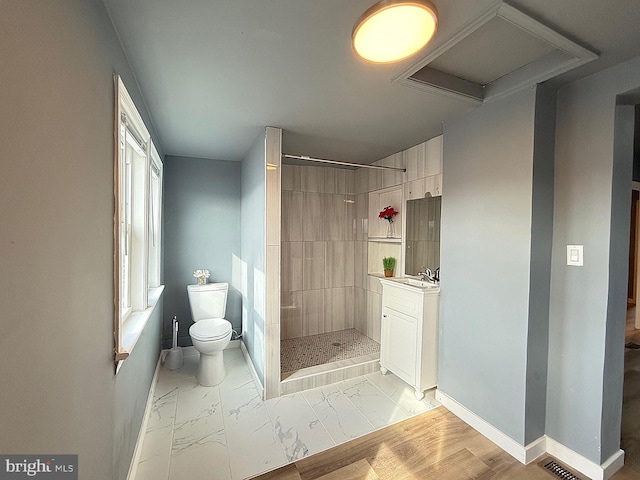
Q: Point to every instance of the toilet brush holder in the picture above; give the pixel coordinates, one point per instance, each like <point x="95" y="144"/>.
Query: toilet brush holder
<point x="173" y="360"/>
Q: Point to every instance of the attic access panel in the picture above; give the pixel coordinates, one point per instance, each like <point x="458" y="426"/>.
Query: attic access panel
<point x="500" y="52"/>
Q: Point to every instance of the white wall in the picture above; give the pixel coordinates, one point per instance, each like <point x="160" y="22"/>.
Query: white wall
<point x="253" y="239"/>
<point x="60" y="393"/>
<point x="260" y="259"/>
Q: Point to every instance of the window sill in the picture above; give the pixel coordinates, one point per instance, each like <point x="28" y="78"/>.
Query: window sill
<point x="134" y="325"/>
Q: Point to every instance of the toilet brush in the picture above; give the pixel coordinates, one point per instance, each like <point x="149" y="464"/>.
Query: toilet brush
<point x="173" y="360"/>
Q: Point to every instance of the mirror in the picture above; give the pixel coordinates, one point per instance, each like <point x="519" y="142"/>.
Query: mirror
<point x="423" y="234"/>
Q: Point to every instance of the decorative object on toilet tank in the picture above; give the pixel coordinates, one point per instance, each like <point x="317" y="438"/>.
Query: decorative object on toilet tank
<point x="201" y="275"/>
<point x="388" y="213"/>
<point x="388" y="264"/>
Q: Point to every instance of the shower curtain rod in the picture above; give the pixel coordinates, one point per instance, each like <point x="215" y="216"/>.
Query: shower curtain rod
<point x="338" y="162"/>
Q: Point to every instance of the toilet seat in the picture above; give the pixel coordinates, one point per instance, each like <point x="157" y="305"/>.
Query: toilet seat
<point x="210" y="329"/>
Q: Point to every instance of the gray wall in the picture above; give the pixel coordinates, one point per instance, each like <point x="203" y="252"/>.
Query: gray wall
<point x="60" y="393"/>
<point x="253" y="253"/>
<point x="493" y="337"/>
<point x="587" y="310"/>
<point x="540" y="264"/>
<point x="486" y="239"/>
<point x="132" y="389"/>
<point x="201" y="230"/>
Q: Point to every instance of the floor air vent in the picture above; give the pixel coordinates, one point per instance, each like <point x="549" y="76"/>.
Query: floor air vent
<point x="557" y="470"/>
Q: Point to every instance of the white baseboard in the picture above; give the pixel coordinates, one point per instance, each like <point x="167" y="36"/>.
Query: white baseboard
<point x="189" y="351"/>
<point x="524" y="454"/>
<point x="529" y="453"/>
<point x="137" y="451"/>
<point x="535" y="450"/>
<point x="254" y="374"/>
<point x="576" y="461"/>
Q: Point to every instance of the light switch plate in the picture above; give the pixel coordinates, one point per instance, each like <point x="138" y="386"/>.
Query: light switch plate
<point x="575" y="255"/>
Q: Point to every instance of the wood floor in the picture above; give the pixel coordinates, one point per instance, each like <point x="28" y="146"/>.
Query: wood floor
<point x="438" y="445"/>
<point x="434" y="445"/>
<point x="630" y="431"/>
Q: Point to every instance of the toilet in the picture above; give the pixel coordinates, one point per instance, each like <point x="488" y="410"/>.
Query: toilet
<point x="211" y="333"/>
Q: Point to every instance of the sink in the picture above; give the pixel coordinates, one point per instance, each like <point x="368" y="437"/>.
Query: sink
<point x="414" y="282"/>
<point x="420" y="283"/>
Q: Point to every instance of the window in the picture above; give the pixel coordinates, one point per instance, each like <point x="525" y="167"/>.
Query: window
<point x="138" y="192"/>
<point x="155" y="217"/>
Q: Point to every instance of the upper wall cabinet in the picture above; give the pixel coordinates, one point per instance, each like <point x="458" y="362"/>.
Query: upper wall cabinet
<point x="424" y="169"/>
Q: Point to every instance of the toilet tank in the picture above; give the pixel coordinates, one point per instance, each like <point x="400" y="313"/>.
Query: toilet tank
<point x="208" y="301"/>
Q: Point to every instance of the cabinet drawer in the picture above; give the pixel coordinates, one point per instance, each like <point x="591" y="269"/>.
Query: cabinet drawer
<point x="402" y="301"/>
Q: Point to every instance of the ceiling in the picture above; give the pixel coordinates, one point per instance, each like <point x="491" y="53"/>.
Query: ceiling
<point x="214" y="73"/>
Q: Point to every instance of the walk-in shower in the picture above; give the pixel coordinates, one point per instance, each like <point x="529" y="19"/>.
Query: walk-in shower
<point x="328" y="310"/>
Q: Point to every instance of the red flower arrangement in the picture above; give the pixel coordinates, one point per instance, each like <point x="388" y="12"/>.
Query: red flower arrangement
<point x="388" y="213"/>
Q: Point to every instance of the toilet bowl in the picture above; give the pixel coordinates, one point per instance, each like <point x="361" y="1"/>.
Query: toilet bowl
<point x="211" y="333"/>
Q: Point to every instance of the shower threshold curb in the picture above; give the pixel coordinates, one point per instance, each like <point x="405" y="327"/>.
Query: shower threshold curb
<point x="328" y="373"/>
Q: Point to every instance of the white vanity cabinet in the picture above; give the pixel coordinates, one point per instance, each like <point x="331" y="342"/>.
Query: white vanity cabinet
<point x="409" y="339"/>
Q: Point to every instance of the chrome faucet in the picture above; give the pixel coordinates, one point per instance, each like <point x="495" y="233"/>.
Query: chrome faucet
<point x="427" y="275"/>
<point x="424" y="274"/>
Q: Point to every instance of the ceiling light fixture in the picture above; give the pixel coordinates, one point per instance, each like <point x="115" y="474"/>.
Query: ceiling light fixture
<point x="392" y="30"/>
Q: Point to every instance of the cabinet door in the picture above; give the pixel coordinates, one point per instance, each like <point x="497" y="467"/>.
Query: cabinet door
<point x="416" y="159"/>
<point x="437" y="185"/>
<point x="399" y="341"/>
<point x="416" y="189"/>
<point x="434" y="156"/>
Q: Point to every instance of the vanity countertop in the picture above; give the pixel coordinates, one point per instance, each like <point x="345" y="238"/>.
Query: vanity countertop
<point x="412" y="284"/>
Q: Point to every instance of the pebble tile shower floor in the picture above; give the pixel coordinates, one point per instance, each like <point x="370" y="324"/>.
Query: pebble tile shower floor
<point x="227" y="432"/>
<point x="304" y="352"/>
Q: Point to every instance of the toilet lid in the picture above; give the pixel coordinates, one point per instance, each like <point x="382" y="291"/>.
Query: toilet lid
<point x="210" y="329"/>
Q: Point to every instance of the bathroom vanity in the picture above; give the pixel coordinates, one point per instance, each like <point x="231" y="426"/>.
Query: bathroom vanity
<point x="409" y="337"/>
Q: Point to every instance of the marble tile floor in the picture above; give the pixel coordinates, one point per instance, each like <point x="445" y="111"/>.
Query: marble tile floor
<point x="228" y="432"/>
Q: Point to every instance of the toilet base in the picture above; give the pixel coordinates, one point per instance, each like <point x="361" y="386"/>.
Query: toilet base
<point x="211" y="369"/>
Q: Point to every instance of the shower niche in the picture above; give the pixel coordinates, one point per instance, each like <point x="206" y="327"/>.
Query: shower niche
<point x="380" y="245"/>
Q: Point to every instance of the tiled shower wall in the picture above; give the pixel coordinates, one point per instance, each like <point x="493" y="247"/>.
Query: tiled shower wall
<point x="368" y="290"/>
<point x="324" y="278"/>
<point x="322" y="242"/>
